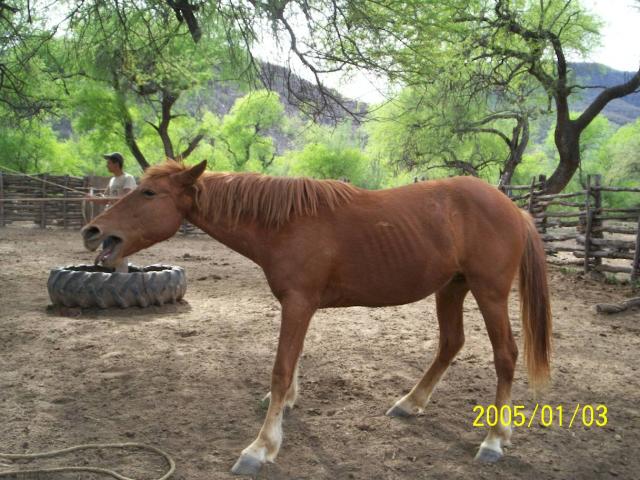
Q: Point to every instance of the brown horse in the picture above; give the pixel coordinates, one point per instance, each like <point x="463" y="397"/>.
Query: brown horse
<point x="328" y="244"/>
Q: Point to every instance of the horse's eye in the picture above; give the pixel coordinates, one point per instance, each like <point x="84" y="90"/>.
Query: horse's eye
<point x="148" y="193"/>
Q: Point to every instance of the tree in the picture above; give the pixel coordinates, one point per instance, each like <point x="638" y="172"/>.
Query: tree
<point x="244" y="130"/>
<point x="148" y="63"/>
<point x="33" y="147"/>
<point x="334" y="152"/>
<point x="320" y="160"/>
<point x="413" y="42"/>
<point x="433" y="134"/>
<point x="619" y="157"/>
<point x="140" y="50"/>
<point x="593" y="138"/>
<point x="26" y="87"/>
<point x="535" y="38"/>
<point x="239" y="23"/>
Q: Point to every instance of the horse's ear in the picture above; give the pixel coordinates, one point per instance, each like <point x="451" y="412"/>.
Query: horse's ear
<point x="189" y="177"/>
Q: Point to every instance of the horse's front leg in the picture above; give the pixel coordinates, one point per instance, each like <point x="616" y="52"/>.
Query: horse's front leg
<point x="297" y="311"/>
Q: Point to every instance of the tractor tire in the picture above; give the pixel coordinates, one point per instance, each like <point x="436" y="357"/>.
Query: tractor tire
<point x="94" y="286"/>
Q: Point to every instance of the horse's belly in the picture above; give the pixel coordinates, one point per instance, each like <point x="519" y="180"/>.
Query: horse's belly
<point x="377" y="285"/>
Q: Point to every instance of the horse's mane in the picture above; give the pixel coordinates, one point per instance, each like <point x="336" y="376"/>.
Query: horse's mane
<point x="272" y="201"/>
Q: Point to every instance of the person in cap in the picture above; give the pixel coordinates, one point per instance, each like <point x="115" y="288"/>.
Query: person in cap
<point x="120" y="184"/>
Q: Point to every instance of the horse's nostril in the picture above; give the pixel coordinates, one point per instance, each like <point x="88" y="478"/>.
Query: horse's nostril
<point x="89" y="233"/>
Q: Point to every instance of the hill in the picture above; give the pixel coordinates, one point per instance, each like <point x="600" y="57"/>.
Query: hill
<point x="620" y="111"/>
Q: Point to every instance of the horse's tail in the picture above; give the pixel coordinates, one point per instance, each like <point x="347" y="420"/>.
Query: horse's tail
<point x="535" y="307"/>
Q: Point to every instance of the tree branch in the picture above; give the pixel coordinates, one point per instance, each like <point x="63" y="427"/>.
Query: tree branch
<point x="605" y="97"/>
<point x="191" y="147"/>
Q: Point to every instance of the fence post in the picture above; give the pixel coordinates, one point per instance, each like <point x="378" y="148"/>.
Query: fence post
<point x="1" y="200"/>
<point x="540" y="221"/>
<point x="542" y="181"/>
<point x="64" y="202"/>
<point x="85" y="188"/>
<point x="589" y="222"/>
<point x="596" y="221"/>
<point x="635" y="268"/>
<point x="531" y="194"/>
<point x="43" y="204"/>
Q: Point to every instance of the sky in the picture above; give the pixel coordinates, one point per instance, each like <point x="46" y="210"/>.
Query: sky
<point x="620" y="33"/>
<point x="620" y="49"/>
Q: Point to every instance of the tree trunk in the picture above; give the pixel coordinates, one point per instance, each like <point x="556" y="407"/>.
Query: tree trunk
<point x="567" y="135"/>
<point x="130" y="139"/>
<point x="567" y="139"/>
<point x="517" y="146"/>
<point x="168" y="99"/>
<point x="127" y="122"/>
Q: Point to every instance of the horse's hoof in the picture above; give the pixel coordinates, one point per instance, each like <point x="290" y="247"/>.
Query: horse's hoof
<point x="397" y="411"/>
<point x="247" y="465"/>
<point x="486" y="455"/>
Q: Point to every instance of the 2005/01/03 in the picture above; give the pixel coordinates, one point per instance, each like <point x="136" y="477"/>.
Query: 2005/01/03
<point x="515" y="415"/>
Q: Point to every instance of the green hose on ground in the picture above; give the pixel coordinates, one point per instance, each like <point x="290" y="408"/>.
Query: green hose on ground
<point x="32" y="456"/>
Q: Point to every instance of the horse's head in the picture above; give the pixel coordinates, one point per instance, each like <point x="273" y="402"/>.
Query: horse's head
<point x="151" y="213"/>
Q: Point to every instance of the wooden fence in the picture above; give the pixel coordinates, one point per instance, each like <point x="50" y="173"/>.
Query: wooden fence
<point x="574" y="224"/>
<point x="43" y="199"/>
<point x="577" y="225"/>
<point x="50" y="200"/>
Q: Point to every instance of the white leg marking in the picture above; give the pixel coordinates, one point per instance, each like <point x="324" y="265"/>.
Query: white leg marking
<point x="267" y="445"/>
<point x="292" y="394"/>
<point x="492" y="443"/>
<point x="406" y="405"/>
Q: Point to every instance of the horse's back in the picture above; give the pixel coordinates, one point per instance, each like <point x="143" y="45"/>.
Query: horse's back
<point x="399" y="245"/>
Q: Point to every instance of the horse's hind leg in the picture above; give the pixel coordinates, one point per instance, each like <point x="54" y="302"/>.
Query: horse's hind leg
<point x="493" y="303"/>
<point x="449" y="300"/>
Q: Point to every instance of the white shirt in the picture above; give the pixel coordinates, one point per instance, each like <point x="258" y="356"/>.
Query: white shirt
<point x="117" y="185"/>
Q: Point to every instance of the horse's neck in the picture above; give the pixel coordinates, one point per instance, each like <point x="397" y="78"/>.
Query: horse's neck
<point x="243" y="237"/>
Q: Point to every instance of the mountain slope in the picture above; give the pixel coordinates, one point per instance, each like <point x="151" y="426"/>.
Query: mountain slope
<point x="620" y="111"/>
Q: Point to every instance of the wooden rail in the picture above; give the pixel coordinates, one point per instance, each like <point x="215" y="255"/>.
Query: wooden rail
<point x="54" y="200"/>
<point x="43" y="199"/>
<point x="580" y="223"/>
<point x="583" y="226"/>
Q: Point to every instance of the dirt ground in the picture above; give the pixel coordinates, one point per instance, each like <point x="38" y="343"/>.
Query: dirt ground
<point x="188" y="378"/>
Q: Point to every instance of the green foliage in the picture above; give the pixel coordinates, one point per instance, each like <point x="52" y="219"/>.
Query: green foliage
<point x="433" y="136"/>
<point x="324" y="152"/>
<point x="29" y="86"/>
<point x="607" y="151"/>
<point x="242" y="138"/>
<point x="320" y="160"/>
<point x="459" y="64"/>
<point x="33" y="147"/>
<point x="131" y="73"/>
<point x="535" y="162"/>
<point x="620" y="158"/>
<point x="620" y="155"/>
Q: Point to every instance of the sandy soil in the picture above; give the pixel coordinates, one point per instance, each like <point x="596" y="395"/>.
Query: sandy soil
<point x="188" y="378"/>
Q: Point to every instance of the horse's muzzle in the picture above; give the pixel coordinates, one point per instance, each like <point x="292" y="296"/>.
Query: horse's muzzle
<point x="91" y="235"/>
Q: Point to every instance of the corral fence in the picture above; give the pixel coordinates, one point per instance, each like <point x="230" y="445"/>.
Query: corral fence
<point x="54" y="200"/>
<point x="578" y="229"/>
<point x="46" y="199"/>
